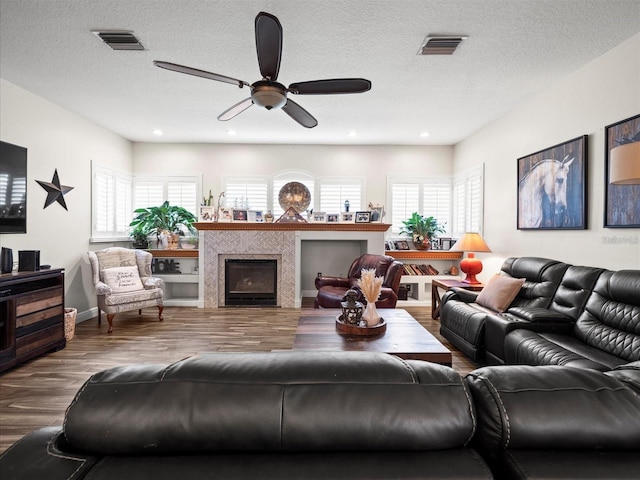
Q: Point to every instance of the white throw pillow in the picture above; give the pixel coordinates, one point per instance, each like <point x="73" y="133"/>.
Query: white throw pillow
<point x="122" y="279"/>
<point x="499" y="292"/>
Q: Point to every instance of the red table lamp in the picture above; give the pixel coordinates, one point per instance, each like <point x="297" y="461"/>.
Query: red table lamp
<point x="471" y="242"/>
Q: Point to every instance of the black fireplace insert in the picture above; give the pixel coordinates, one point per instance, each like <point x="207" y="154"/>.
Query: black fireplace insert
<point x="250" y="282"/>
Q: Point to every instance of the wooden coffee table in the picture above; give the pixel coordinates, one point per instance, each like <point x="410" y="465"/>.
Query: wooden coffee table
<point x="404" y="336"/>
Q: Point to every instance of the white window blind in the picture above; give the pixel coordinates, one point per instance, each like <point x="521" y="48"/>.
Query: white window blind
<point x="405" y="199"/>
<point x="468" y="202"/>
<point x="436" y="201"/>
<point x="333" y="194"/>
<point x="111" y="203"/>
<point x="247" y="193"/>
<point x="12" y="190"/>
<point x="180" y="190"/>
<point x="281" y="180"/>
<point x="183" y="193"/>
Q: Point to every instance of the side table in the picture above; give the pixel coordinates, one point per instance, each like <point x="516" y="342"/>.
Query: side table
<point x="447" y="285"/>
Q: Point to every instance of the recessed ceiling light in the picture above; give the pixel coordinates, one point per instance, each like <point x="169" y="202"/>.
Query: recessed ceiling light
<point x="352" y="133"/>
<point x="424" y="134"/>
<point x="231" y="132"/>
<point x="158" y="132"/>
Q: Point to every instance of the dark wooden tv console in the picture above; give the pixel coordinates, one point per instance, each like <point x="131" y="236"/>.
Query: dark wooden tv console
<point x="31" y="315"/>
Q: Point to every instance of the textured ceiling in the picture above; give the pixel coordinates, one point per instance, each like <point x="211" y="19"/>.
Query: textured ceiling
<point x="515" y="49"/>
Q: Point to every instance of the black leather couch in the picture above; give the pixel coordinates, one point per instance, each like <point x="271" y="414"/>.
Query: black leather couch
<point x="295" y="415"/>
<point x="564" y="315"/>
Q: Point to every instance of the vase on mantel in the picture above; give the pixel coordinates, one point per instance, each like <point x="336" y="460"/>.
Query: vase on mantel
<point x="370" y="315"/>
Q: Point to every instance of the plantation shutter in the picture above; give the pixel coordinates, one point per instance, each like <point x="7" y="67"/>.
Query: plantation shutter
<point x="183" y="193"/>
<point x="474" y="203"/>
<point x="333" y="194"/>
<point x="436" y="201"/>
<point x="458" y="227"/>
<point x="148" y="194"/>
<point x="103" y="206"/>
<point x="405" y="199"/>
<point x="111" y="203"/>
<point x="249" y="194"/>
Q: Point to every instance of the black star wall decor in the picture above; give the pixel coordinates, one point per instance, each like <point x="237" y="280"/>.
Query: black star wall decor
<point x="55" y="191"/>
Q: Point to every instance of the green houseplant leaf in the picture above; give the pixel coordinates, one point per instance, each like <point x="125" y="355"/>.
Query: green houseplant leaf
<point x="421" y="228"/>
<point x="170" y="218"/>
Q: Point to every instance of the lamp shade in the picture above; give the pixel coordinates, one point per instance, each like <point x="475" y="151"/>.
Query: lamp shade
<point x="624" y="164"/>
<point x="471" y="242"/>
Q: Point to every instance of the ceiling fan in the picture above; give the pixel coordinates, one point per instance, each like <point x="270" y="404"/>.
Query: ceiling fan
<point x="269" y="93"/>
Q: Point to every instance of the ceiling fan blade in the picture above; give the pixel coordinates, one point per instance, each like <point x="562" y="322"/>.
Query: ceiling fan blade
<point x="268" y="45"/>
<point x="199" y="73"/>
<point x="237" y="109"/>
<point x="330" y="87"/>
<point x="299" y="114"/>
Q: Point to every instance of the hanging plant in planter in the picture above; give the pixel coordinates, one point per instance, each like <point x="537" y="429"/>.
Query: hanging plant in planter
<point x="421" y="230"/>
<point x="166" y="221"/>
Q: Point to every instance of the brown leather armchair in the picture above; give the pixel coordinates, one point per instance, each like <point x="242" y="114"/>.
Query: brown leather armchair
<point x="331" y="290"/>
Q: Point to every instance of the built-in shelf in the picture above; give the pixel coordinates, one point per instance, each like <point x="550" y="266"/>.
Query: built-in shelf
<point x="175" y="253"/>
<point x="424" y="254"/>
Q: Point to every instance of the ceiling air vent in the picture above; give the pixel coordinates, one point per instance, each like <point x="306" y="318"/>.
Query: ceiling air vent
<point x="119" y="39"/>
<point x="441" y="44"/>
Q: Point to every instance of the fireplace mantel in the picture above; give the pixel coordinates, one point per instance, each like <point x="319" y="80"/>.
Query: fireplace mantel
<point x="333" y="227"/>
<point x="283" y="241"/>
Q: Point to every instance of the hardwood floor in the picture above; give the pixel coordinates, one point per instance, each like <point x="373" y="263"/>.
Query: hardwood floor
<point x="36" y="393"/>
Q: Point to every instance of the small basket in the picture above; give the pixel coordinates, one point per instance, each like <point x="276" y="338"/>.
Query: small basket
<point x="70" y="322"/>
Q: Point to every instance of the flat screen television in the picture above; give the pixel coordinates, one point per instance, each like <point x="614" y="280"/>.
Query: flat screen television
<point x="13" y="188"/>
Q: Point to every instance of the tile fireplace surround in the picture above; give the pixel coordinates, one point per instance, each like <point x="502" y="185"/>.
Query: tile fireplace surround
<point x="279" y="241"/>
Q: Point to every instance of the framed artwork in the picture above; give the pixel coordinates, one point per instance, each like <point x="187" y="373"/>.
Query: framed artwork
<point x="621" y="200"/>
<point x="255" y="216"/>
<point x="333" y="217"/>
<point x="206" y="214"/>
<point x="435" y="244"/>
<point x="363" y="217"/>
<point x="225" y="215"/>
<point x="402" y="245"/>
<point x="347" y="217"/>
<point x="319" y="217"/>
<point x="239" y="215"/>
<point x="377" y="213"/>
<point x="552" y="187"/>
<point x="446" y="243"/>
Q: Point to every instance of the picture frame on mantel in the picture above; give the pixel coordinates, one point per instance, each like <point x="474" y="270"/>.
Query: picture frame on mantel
<point x="552" y="187"/>
<point x="621" y="201"/>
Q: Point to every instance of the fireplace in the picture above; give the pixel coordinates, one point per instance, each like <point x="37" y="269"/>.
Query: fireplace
<point x="250" y="282"/>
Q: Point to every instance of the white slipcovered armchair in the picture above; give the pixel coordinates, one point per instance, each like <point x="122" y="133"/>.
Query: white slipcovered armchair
<point x="123" y="282"/>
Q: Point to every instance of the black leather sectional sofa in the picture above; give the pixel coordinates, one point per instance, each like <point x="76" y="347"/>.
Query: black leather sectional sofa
<point x="295" y="415"/>
<point x="563" y="315"/>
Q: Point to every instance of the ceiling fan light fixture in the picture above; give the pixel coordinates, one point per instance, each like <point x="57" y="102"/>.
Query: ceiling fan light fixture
<point x="269" y="95"/>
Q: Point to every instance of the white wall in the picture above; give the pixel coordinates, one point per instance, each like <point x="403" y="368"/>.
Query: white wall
<point x="58" y="139"/>
<point x="599" y="94"/>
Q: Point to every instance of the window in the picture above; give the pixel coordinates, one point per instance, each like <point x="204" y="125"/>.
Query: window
<point x="181" y="190"/>
<point x="334" y="192"/>
<point x="111" y="203"/>
<point x="468" y="202"/>
<point x="251" y="193"/>
<point x="430" y="197"/>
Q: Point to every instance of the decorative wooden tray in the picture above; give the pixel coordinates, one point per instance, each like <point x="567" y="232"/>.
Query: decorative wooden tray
<point x="347" y="329"/>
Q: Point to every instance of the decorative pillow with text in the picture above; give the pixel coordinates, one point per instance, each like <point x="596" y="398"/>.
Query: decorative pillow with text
<point x="122" y="279"/>
<point x="499" y="292"/>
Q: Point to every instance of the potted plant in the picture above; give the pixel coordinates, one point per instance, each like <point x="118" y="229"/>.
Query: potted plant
<point x="139" y="237"/>
<point x="166" y="221"/>
<point x="421" y="229"/>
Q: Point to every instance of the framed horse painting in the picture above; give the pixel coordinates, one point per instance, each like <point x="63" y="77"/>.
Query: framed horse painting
<point x="621" y="186"/>
<point x="552" y="192"/>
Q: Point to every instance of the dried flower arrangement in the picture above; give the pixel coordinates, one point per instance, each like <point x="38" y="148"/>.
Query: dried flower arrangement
<point x="370" y="285"/>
